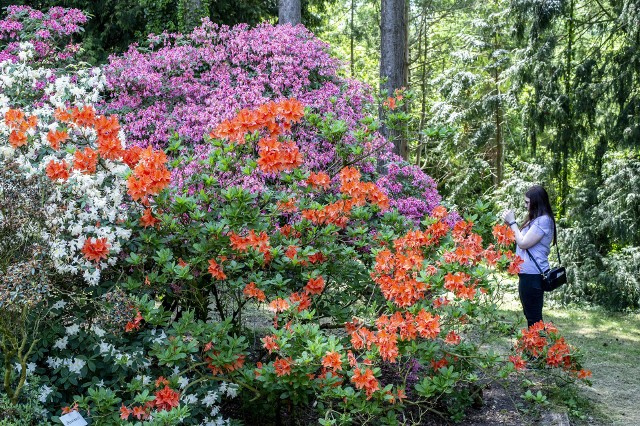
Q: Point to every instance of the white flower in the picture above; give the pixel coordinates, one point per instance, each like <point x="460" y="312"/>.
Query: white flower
<point x="61" y="343"/>
<point x="76" y="365"/>
<point x="232" y="391"/>
<point x="98" y="331"/>
<point x="45" y="391"/>
<point x="210" y="398"/>
<point x="72" y="330"/>
<point x="183" y="382"/>
<point x="59" y="304"/>
<point x="189" y="399"/>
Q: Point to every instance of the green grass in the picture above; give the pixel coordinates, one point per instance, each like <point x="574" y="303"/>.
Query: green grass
<point x="610" y="343"/>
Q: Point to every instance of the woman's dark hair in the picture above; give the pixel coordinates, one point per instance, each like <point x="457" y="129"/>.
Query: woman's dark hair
<point x="539" y="205"/>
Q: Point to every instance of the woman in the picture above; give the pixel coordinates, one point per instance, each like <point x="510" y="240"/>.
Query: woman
<point x="533" y="239"/>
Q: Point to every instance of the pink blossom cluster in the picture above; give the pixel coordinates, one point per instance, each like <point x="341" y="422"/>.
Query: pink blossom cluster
<point x="50" y="32"/>
<point x="188" y="84"/>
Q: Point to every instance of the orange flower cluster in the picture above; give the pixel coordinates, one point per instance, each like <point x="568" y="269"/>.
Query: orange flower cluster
<point x="338" y="213"/>
<point x="139" y="412"/>
<point x="455" y="283"/>
<point x="275" y="156"/>
<point x="166" y="399"/>
<point x="135" y="324"/>
<point x="57" y="170"/>
<point x="95" y="249"/>
<point x="300" y="299"/>
<point x="360" y="192"/>
<point x="542" y="339"/>
<point x="56" y="137"/>
<point x="397" y="273"/>
<point x="269" y="343"/>
<point x="278" y="305"/>
<point x="332" y="361"/>
<point x="283" y="366"/>
<point x="275" y="117"/>
<point x="319" y="180"/>
<point x="150" y="174"/>
<point x="258" y="242"/>
<point x="314" y="285"/>
<point x="215" y="270"/>
<point x="468" y="249"/>
<point x="251" y="290"/>
<point x="147" y="219"/>
<point x="18" y="126"/>
<point x="365" y="380"/>
<point x="503" y="234"/>
<point x="86" y="160"/>
<point x="408" y="327"/>
<point x="518" y="362"/>
<point x="516" y="261"/>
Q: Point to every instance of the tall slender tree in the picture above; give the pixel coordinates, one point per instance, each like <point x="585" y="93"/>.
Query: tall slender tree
<point x="394" y="63"/>
<point x="289" y="12"/>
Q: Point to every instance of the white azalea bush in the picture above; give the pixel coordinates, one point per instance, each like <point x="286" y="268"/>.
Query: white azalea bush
<point x="52" y="132"/>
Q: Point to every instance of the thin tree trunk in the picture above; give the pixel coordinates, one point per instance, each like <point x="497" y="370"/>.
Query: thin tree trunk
<point x="498" y="117"/>
<point x="289" y="12"/>
<point x="351" y="34"/>
<point x="568" y="132"/>
<point x="192" y="13"/>
<point x="394" y="68"/>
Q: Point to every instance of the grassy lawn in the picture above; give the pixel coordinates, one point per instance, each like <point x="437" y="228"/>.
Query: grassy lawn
<point x="611" y="346"/>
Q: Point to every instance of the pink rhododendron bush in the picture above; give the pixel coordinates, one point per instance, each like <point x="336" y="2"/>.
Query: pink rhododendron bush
<point x="198" y="234"/>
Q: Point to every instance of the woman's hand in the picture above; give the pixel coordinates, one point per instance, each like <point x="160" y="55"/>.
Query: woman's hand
<point x="508" y="216"/>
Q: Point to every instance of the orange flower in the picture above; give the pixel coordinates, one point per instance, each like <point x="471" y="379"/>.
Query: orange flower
<point x="124" y="412"/>
<point x="166" y="399"/>
<point x="278" y="305"/>
<point x="302" y="300"/>
<point x="584" y="374"/>
<point x="388" y="346"/>
<point x="514" y="266"/>
<point x="107" y="126"/>
<point x="503" y="234"/>
<point x="290" y="110"/>
<point x="84" y="117"/>
<point x="366" y="381"/>
<point x="439" y="212"/>
<point x="283" y="366"/>
<point x="251" y="290"/>
<point x="452" y="338"/>
<point x="291" y="252"/>
<point x="110" y="147"/>
<point x="317" y="258"/>
<point x="270" y="343"/>
<point x="332" y="360"/>
<point x="62" y="115"/>
<point x="216" y="270"/>
<point x="13" y="117"/>
<point x="319" y="180"/>
<point x="17" y="138"/>
<point x="55" y="137"/>
<point x="390" y="103"/>
<point x="428" y="325"/>
<point x="518" y="362"/>
<point x="140" y="412"/>
<point x="147" y="219"/>
<point x="314" y="285"/>
<point x="95" y="249"/>
<point x="86" y="160"/>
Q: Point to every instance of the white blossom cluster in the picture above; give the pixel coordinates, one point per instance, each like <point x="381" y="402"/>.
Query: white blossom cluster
<point x="85" y="205"/>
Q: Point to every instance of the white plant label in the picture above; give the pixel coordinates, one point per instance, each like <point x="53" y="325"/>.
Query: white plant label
<point x="73" y="419"/>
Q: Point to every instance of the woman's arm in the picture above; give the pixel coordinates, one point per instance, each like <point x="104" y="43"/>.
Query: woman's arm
<point x="524" y="241"/>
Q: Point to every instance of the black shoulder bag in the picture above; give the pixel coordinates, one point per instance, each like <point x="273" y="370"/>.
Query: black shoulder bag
<point x="554" y="277"/>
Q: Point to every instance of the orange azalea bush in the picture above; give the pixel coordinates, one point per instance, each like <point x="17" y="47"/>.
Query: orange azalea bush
<point x="318" y="252"/>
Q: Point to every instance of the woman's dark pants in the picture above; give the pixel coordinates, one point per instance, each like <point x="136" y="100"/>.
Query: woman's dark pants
<point x="531" y="297"/>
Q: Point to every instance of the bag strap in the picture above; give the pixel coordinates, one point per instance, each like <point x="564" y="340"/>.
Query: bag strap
<point x="534" y="261"/>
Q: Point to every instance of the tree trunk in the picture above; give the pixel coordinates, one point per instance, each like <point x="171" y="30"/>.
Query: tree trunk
<point x="394" y="69"/>
<point x="498" y="119"/>
<point x="191" y="14"/>
<point x="289" y="12"/>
